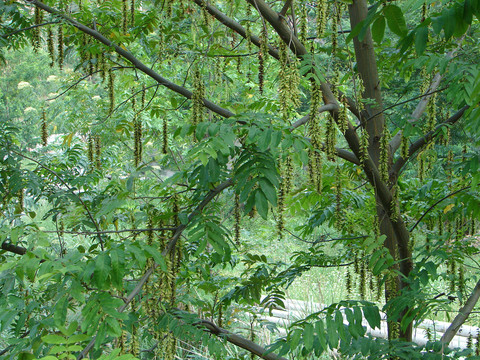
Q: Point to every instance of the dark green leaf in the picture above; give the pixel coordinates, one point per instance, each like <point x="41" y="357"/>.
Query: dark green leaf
<point x="395" y="19"/>
<point x="378" y="29"/>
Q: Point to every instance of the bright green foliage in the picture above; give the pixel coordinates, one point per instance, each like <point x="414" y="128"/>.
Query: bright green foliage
<point x="117" y="238"/>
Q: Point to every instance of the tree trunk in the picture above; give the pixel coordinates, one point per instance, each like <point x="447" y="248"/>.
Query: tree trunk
<point x="373" y="121"/>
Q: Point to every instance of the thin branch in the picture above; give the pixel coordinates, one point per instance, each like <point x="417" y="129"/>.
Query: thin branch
<point x="436" y="203"/>
<point x="72" y="85"/>
<point x="28" y="28"/>
<point x="64" y="183"/>
<point x="405" y="102"/>
<point x="283" y="12"/>
<point x="108" y="231"/>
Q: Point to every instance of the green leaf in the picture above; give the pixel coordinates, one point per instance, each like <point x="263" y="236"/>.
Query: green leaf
<point x="372" y="315"/>
<point x="118" y="268"/>
<point x="113" y="328"/>
<point x="101" y="335"/>
<point x="102" y="270"/>
<point x="157" y="256"/>
<point x="395" y="19"/>
<point x="269" y="190"/>
<point x="421" y="38"/>
<point x="378" y="29"/>
<point x="61" y="311"/>
<point x="53" y="339"/>
<point x="308" y="337"/>
<point x="261" y="203"/>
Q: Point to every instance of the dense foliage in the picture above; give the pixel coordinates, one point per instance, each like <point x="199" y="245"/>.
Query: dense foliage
<point x="159" y="156"/>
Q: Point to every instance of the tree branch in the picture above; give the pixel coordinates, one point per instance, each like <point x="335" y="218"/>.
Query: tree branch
<point x="19" y="250"/>
<point x="422" y="105"/>
<point x="461" y="317"/>
<point x="417" y="145"/>
<point x="283" y="12"/>
<point x="239" y="341"/>
<point x="132" y="59"/>
<point x="234" y="25"/>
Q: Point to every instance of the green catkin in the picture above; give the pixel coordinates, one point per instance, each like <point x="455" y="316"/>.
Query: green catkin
<point x="342" y="116"/>
<point x="237" y="220"/>
<point x="51" y="46"/>
<point x="428" y="334"/>
<point x="363" y="146"/>
<point x="122" y="342"/>
<point x="220" y="315"/>
<point x="348" y="282"/>
<point x="90" y="148"/>
<point x="303" y="23"/>
<point x="322" y="9"/>
<point x="197" y="98"/>
<point x="452" y="274"/>
<point x="44" y="129"/>
<point x="262" y="56"/>
<point x="137" y="141"/>
<point x="461" y="281"/>
<point x="60" y="56"/>
<point x="421" y="166"/>
<point x="477" y="343"/>
<point x="284" y="86"/>
<point x="371" y="282"/>
<point x="165" y="136"/>
<point x="132" y="13"/>
<point x="470" y="341"/>
<point x="124" y="16"/>
<point x="111" y="90"/>
<point x="289" y="174"/>
<point x="384" y="155"/>
<point x="134" y="101"/>
<point x="315" y="158"/>
<point x="362" y="280"/>
<point x="339" y="218"/>
<point x="101" y="66"/>
<point x="281" y="202"/>
<point x="98" y="150"/>
<point x="330" y="138"/>
<point x="335" y="22"/>
<point x="395" y="212"/>
<point x="38" y="15"/>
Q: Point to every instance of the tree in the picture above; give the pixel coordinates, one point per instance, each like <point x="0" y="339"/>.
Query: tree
<point x="245" y="81"/>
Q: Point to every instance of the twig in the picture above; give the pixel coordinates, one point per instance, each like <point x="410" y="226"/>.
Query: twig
<point x="64" y="183"/>
<point x="436" y="203"/>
